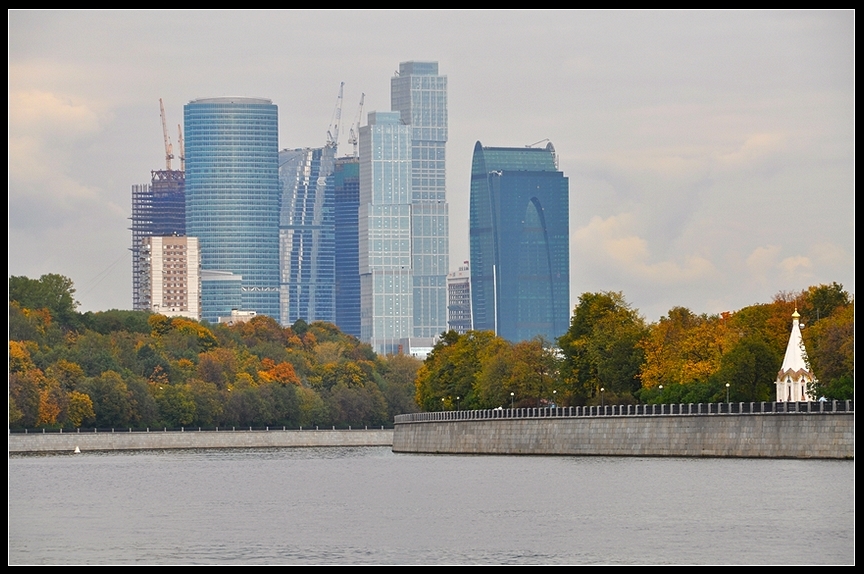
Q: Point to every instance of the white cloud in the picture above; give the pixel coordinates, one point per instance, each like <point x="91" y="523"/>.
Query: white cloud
<point x="613" y="244"/>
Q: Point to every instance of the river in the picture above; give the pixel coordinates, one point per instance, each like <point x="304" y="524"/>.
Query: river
<point x="367" y="505"/>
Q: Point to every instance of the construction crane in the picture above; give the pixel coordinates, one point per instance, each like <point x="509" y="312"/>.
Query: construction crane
<point x="333" y="132"/>
<point x="352" y="135"/>
<point x="182" y="149"/>
<point x="169" y="150"/>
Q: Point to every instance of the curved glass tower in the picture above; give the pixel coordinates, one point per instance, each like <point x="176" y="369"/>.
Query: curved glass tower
<point x="307" y="246"/>
<point x="232" y="193"/>
<point x="520" y="254"/>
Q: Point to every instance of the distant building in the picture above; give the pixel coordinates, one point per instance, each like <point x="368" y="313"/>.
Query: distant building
<point x="459" y="299"/>
<point x="170" y="276"/>
<point x="233" y="193"/>
<point x="345" y="182"/>
<point x="794" y="376"/>
<point x="519" y="229"/>
<point x="237" y="317"/>
<point x="307" y="246"/>
<point x="158" y="210"/>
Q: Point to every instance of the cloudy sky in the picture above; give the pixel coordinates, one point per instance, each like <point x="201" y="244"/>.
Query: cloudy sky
<point x="710" y="154"/>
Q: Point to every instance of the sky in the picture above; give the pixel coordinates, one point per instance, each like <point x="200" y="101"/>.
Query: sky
<point x="710" y="154"/>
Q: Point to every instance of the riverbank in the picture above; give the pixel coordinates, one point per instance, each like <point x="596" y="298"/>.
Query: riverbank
<point x="154" y="440"/>
<point x="754" y="430"/>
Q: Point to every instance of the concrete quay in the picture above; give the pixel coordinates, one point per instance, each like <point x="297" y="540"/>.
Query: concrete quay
<point x="122" y="439"/>
<point x="693" y="431"/>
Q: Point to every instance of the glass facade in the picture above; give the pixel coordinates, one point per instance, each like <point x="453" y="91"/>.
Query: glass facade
<point x="419" y="94"/>
<point x="233" y="192"/>
<point x="307" y="258"/>
<point x="345" y="182"/>
<point x="221" y="293"/>
<point x="384" y="232"/>
<point x="520" y="254"/>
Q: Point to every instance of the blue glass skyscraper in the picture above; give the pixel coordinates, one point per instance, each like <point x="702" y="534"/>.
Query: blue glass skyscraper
<point x="345" y="183"/>
<point x="232" y="193"/>
<point x="520" y="254"/>
<point x="307" y="236"/>
<point x="419" y="94"/>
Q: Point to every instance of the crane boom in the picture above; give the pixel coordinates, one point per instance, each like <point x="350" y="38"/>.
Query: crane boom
<point x="169" y="151"/>
<point x="182" y="148"/>
<point x="352" y="135"/>
<point x="333" y="132"/>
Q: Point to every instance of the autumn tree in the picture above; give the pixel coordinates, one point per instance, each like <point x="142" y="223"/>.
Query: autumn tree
<point x="602" y="348"/>
<point x="830" y="345"/>
<point x="51" y="291"/>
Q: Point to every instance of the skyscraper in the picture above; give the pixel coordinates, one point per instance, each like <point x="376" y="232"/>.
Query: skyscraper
<point x="519" y="228"/>
<point x="419" y="94"/>
<point x="345" y="182"/>
<point x="232" y="193"/>
<point x="307" y="236"/>
<point x="384" y="233"/>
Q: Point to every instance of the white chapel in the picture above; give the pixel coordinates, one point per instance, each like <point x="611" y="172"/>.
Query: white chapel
<point x="794" y="375"/>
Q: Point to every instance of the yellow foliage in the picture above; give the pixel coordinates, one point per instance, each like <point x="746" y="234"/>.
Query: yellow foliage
<point x="80" y="409"/>
<point x="19" y="358"/>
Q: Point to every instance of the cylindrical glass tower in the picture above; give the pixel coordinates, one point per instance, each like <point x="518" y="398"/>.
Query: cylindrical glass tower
<point x="232" y="193"/>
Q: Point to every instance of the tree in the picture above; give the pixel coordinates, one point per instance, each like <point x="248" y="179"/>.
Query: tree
<point x="831" y="350"/>
<point x="602" y="347"/>
<point x="451" y="370"/>
<point x="51" y="291"/>
<point x="749" y="369"/>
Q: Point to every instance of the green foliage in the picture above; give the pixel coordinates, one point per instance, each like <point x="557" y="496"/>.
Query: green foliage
<point x="52" y="291"/>
<point x="831" y="351"/>
<point x="749" y="369"/>
<point x="602" y="348"/>
<point x="106" y="322"/>
<point x="452" y="368"/>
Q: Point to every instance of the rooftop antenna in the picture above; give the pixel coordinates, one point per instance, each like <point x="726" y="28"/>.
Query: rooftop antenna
<point x="169" y="150"/>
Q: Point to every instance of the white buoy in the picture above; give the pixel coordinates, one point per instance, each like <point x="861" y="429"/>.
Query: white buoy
<point x="77" y="450"/>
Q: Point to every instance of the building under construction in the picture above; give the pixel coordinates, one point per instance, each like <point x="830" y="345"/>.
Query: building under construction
<point x="158" y="210"/>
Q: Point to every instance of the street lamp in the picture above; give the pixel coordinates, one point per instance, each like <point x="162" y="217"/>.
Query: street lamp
<point x="511" y="400"/>
<point x="554" y="404"/>
<point x="727" y="392"/>
<point x="602" y="404"/>
<point x="457" y="402"/>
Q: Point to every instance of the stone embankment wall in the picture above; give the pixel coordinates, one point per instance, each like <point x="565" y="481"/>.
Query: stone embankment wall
<point x="774" y="435"/>
<point x="102" y="441"/>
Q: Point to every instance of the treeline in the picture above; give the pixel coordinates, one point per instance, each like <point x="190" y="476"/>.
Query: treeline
<point x="136" y="369"/>
<point x="611" y="354"/>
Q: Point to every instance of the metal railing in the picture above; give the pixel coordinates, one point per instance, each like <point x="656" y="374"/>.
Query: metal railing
<point x="684" y="409"/>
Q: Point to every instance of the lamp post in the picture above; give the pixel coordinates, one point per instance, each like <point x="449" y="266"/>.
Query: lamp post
<point x="512" y="394"/>
<point x="727" y="392"/>
<point x="602" y="403"/>
<point x="661" y="393"/>
<point x="443" y="405"/>
<point x="554" y="404"/>
<point x="457" y="402"/>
